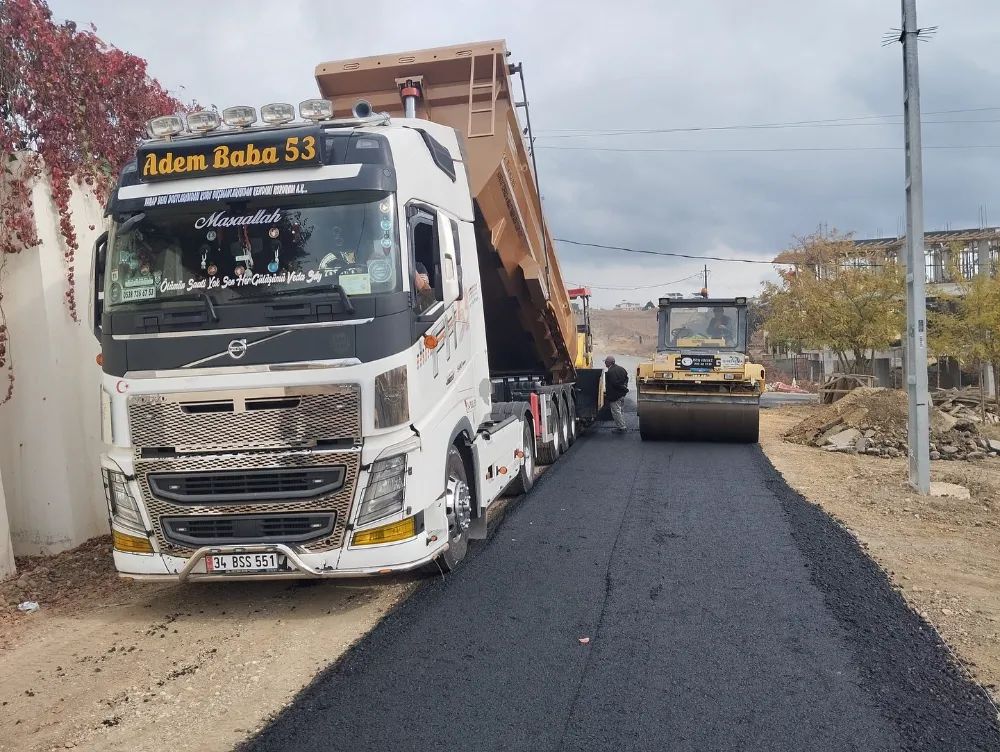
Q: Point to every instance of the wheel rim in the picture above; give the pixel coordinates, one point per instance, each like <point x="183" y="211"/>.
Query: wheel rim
<point x="459" y="506"/>
<point x="572" y="426"/>
<point x="565" y="429"/>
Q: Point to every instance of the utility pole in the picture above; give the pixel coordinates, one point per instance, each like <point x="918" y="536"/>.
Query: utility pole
<point x="918" y="435"/>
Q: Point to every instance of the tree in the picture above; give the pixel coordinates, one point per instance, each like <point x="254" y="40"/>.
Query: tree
<point x="966" y="325"/>
<point x="649" y="306"/>
<point x="72" y="106"/>
<point x="839" y="295"/>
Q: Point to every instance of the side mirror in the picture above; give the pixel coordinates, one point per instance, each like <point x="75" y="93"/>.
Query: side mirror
<point x="100" y="260"/>
<point x="431" y="315"/>
<point x="449" y="273"/>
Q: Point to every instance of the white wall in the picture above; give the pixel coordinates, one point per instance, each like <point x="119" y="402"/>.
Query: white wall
<point x="50" y="430"/>
<point x="7" y="568"/>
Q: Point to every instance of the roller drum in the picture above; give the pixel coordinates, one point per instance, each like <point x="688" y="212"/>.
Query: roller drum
<point x="686" y="417"/>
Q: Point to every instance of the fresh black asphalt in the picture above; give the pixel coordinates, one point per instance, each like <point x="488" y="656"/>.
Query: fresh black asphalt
<point x="723" y="612"/>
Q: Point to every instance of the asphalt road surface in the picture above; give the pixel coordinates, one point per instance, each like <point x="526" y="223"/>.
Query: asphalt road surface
<point x="723" y="613"/>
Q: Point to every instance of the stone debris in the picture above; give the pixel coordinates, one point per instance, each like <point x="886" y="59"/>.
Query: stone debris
<point x="873" y="420"/>
<point x="949" y="489"/>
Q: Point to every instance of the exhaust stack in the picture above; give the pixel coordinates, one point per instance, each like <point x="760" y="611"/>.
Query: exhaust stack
<point x="410" y="91"/>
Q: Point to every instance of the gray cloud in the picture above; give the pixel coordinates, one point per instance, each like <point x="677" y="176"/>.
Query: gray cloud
<point x="645" y="64"/>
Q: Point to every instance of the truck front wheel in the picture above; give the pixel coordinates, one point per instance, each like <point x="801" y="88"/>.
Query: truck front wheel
<point x="458" y="508"/>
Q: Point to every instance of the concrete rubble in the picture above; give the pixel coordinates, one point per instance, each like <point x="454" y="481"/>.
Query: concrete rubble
<point x="873" y="421"/>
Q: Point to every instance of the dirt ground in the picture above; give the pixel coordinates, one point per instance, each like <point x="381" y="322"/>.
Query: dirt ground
<point x="110" y="664"/>
<point x="943" y="553"/>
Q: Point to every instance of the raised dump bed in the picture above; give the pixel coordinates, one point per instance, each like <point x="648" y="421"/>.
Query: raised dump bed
<point x="530" y="326"/>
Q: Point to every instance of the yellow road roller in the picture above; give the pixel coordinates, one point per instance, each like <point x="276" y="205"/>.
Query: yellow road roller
<point x="701" y="385"/>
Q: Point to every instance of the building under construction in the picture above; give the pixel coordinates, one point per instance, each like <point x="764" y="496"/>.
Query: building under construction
<point x="967" y="252"/>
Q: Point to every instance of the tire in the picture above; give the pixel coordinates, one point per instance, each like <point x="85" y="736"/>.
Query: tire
<point x="548" y="453"/>
<point x="570" y="406"/>
<point x="458" y="508"/>
<point x="526" y="478"/>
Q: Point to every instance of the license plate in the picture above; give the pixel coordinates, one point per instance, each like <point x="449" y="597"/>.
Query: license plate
<point x="241" y="563"/>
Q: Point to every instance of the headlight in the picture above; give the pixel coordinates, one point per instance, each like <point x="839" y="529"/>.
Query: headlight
<point x="124" y="510"/>
<point x="386" y="488"/>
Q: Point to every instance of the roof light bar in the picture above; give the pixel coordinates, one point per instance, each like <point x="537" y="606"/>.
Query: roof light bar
<point x="316" y="109"/>
<point x="204" y="121"/>
<point x="240" y="116"/>
<point x="166" y="126"/>
<point x="277" y="113"/>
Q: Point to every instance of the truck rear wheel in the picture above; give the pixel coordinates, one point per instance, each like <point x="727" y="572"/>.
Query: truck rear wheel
<point x="570" y="423"/>
<point x="549" y="452"/>
<point x="526" y="478"/>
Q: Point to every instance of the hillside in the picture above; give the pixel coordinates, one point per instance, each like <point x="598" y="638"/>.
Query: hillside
<point x="619" y="332"/>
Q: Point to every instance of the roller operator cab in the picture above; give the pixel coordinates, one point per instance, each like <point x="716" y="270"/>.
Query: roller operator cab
<point x="298" y="380"/>
<point x="700" y="385"/>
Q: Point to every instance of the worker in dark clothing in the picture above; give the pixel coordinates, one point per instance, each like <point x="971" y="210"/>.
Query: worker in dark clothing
<point x="615" y="389"/>
<point x="721" y="326"/>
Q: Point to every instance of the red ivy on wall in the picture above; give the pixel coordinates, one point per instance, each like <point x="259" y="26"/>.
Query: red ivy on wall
<point x="74" y="104"/>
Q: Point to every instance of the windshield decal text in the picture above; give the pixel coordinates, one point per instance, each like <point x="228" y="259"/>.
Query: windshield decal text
<point x="246" y="280"/>
<point x="220" y="219"/>
<point x="220" y="194"/>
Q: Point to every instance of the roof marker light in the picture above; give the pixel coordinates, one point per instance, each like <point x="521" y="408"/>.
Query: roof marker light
<point x="316" y="109"/>
<point x="240" y="116"/>
<point x="204" y="121"/>
<point x="277" y="113"/>
<point x="164" y="127"/>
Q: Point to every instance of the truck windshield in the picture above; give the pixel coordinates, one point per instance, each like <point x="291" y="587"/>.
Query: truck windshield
<point x="257" y="248"/>
<point x="703" y="327"/>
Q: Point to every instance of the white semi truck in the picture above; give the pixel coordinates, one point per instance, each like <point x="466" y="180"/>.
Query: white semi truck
<point x="329" y="343"/>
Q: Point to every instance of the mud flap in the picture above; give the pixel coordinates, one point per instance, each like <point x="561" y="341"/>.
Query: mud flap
<point x="477" y="527"/>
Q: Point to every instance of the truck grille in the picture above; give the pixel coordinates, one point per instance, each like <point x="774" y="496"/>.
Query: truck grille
<point x="280" y="418"/>
<point x="247" y="485"/>
<point x="208" y="531"/>
<point x="320" y="463"/>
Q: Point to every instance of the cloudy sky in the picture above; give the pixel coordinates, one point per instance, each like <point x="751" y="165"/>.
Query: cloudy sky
<point x="689" y="72"/>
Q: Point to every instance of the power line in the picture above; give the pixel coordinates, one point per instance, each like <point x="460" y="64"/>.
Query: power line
<point x="602" y="134"/>
<point x="639" y="287"/>
<point x="776" y="149"/>
<point x="789" y="124"/>
<point x="664" y="253"/>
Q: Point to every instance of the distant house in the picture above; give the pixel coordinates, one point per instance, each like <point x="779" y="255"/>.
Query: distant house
<point x="627" y="306"/>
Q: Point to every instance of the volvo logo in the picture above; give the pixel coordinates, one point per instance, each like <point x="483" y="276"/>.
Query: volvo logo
<point x="237" y="349"/>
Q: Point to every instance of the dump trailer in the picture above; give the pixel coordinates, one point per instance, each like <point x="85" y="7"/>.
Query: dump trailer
<point x="331" y="337"/>
<point x="701" y="385"/>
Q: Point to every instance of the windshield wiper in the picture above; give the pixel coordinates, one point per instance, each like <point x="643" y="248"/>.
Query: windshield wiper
<point x="345" y="299"/>
<point x="204" y="296"/>
<point x="129" y="224"/>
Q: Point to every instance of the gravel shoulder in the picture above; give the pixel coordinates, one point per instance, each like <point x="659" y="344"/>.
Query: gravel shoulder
<point x="141" y="670"/>
<point x="110" y="664"/>
<point x="942" y="554"/>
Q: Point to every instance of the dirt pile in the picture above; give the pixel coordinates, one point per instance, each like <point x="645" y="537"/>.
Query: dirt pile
<point x="59" y="580"/>
<point x="873" y="420"/>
